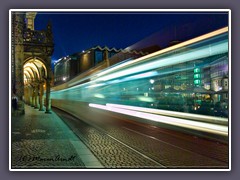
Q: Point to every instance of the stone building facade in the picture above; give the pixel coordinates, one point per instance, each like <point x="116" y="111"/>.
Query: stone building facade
<point x="31" y="52"/>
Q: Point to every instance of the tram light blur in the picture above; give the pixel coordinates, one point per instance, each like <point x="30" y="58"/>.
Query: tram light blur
<point x="196" y="125"/>
<point x="151" y="81"/>
<point x="99" y="96"/>
<point x="145" y="99"/>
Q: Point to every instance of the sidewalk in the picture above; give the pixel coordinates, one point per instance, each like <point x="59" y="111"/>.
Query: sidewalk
<point x="42" y="140"/>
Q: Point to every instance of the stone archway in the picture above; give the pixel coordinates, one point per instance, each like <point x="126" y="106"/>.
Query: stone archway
<point x="36" y="84"/>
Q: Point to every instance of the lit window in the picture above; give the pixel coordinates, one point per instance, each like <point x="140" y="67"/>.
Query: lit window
<point x="197" y="82"/>
<point x="197" y="76"/>
<point x="196" y="70"/>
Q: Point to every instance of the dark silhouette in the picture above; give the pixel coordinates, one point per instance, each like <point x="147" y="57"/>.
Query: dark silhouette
<point x="14" y="102"/>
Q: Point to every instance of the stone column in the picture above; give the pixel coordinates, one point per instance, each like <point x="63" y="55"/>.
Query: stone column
<point x="48" y="86"/>
<point x="30" y="16"/>
<point x="48" y="101"/>
<point x="41" y="96"/>
<point x="36" y="90"/>
<point x="17" y="58"/>
<point x="30" y="96"/>
<point x="33" y="96"/>
<point x="19" y="84"/>
<point x="27" y="95"/>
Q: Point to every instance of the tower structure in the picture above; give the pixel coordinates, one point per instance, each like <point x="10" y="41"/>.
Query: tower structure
<point x="30" y="17"/>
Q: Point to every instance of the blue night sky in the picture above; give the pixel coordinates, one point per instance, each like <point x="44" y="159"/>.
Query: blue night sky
<point x="74" y="32"/>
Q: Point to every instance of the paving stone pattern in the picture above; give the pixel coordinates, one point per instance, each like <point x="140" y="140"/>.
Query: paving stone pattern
<point x="110" y="152"/>
<point x="42" y="140"/>
<point x="172" y="155"/>
<point x="151" y="153"/>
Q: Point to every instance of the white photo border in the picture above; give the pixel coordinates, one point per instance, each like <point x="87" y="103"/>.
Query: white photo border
<point x="121" y="10"/>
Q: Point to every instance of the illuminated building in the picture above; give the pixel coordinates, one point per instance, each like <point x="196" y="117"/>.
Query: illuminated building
<point x="68" y="67"/>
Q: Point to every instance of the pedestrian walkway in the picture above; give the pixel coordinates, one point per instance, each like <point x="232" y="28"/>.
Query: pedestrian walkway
<point x="42" y="140"/>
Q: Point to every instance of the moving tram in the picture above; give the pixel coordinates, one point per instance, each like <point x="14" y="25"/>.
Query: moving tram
<point x="187" y="82"/>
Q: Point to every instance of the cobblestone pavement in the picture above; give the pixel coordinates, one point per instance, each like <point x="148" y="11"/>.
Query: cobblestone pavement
<point x="42" y="140"/>
<point x="121" y="147"/>
<point x="110" y="152"/>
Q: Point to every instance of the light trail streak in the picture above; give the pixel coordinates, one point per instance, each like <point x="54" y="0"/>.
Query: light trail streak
<point x="180" y="45"/>
<point x="161" y="62"/>
<point x="195" y="125"/>
<point x="173" y="113"/>
<point x="177" y="59"/>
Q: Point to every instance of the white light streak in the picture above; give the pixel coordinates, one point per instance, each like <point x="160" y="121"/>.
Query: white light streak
<point x="173" y="113"/>
<point x="99" y="96"/>
<point x="96" y="85"/>
<point x="195" y="125"/>
<point x="145" y="99"/>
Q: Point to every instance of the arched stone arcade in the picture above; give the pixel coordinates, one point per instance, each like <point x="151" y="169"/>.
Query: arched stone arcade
<point x="35" y="74"/>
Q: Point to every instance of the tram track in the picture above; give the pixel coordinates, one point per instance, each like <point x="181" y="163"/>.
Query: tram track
<point x="115" y="147"/>
<point x="123" y="153"/>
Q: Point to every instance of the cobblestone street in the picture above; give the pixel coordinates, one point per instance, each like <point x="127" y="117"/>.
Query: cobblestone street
<point x="42" y="140"/>
<point x="120" y="147"/>
<point x="59" y="140"/>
